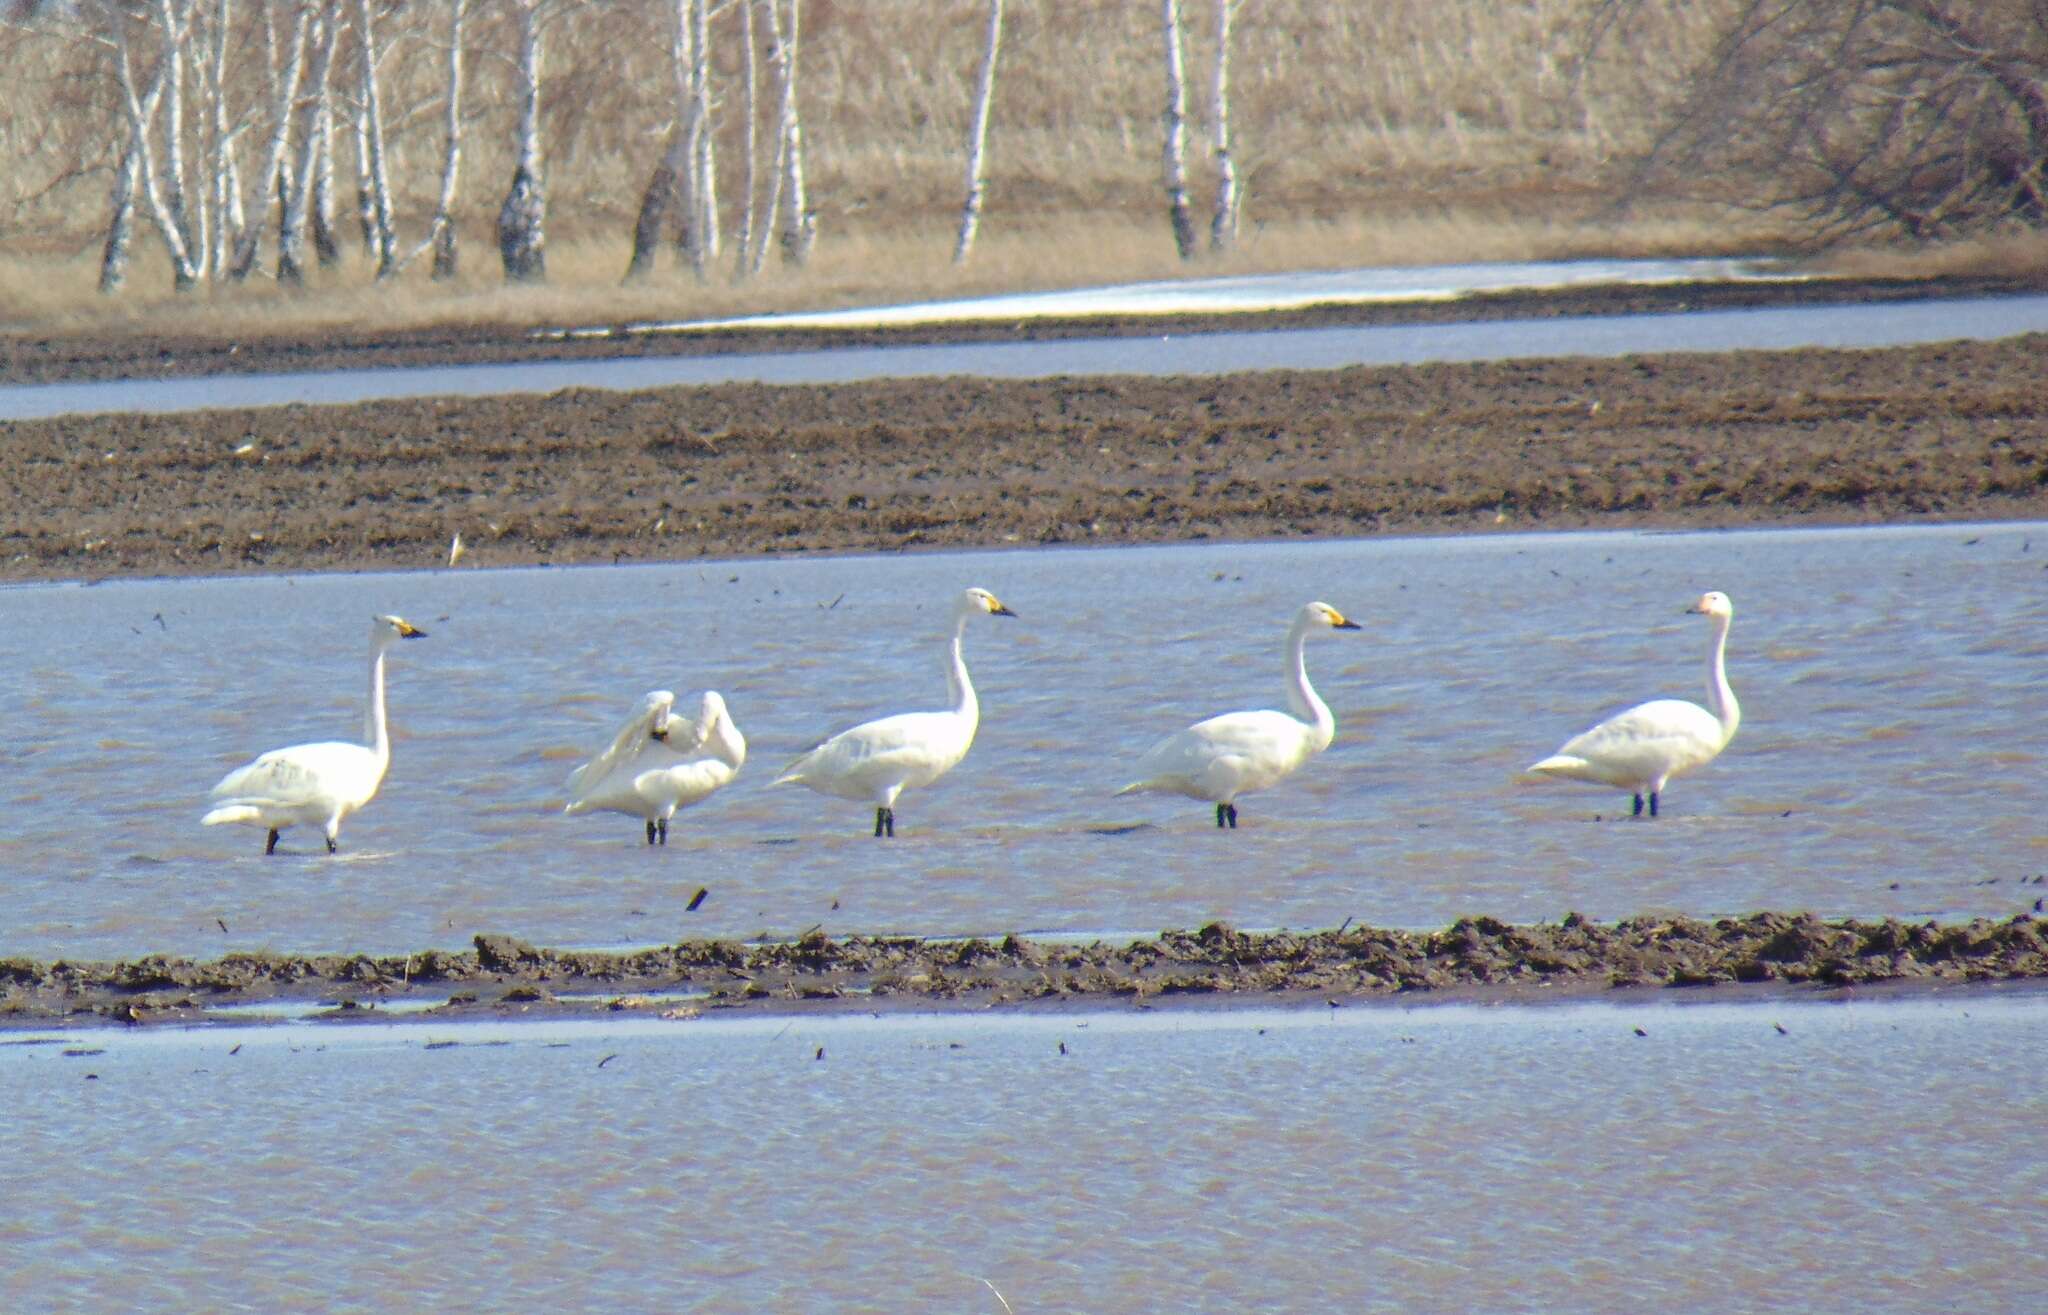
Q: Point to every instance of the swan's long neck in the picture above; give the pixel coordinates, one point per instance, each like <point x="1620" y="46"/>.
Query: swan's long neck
<point x="957" y="684"/>
<point x="1301" y="696"/>
<point x="375" y="728"/>
<point x="1720" y="698"/>
<point x="727" y="743"/>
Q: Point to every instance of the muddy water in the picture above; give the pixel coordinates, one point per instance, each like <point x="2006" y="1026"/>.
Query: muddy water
<point x="1888" y="764"/>
<point x="1181" y="354"/>
<point x="1593" y="1158"/>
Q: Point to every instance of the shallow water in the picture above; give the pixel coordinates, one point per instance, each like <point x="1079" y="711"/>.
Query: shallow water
<point x="1888" y="763"/>
<point x="1704" y="1158"/>
<point x="1763" y="328"/>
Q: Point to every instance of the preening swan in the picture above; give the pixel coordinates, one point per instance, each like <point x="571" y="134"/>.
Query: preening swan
<point x="316" y="784"/>
<point x="1239" y="752"/>
<point x="1639" y="750"/>
<point x="659" y="762"/>
<point x="877" y="760"/>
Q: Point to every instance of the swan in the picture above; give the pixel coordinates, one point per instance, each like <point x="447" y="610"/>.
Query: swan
<point x="1639" y="750"/>
<point x="659" y="762"/>
<point x="317" y="784"/>
<point x="1239" y="752"/>
<point x="877" y="760"/>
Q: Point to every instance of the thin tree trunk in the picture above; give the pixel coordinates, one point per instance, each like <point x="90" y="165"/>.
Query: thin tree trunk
<point x="522" y="219"/>
<point x="662" y="189"/>
<point x="1175" y="122"/>
<point x="284" y="94"/>
<point x="121" y="217"/>
<point x="141" y="108"/>
<point x="185" y="260"/>
<point x="326" y="242"/>
<point x="1223" y="220"/>
<point x="704" y="152"/>
<point x="743" y="240"/>
<point x="298" y="181"/>
<point x="799" y="226"/>
<point x="224" y="179"/>
<point x="441" y="235"/>
<point x="383" y="241"/>
<point x="977" y="134"/>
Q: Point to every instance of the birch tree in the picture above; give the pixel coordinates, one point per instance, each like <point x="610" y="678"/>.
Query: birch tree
<point x="441" y="238"/>
<point x="284" y="94"/>
<point x="681" y="177"/>
<point x="1223" y="218"/>
<point x="300" y="180"/>
<point x="1174" y="153"/>
<point x="143" y="105"/>
<point x="798" y="225"/>
<point x="750" y="138"/>
<point x="977" y="134"/>
<point x="522" y="218"/>
<point x="383" y="240"/>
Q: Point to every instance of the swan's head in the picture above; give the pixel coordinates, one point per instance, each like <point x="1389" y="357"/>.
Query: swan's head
<point x="1714" y="604"/>
<point x="390" y="629"/>
<point x="1322" y="614"/>
<point x="981" y="600"/>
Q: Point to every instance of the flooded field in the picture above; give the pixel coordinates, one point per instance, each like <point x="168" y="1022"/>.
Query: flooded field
<point x="1887" y="763"/>
<point x="1866" y="1157"/>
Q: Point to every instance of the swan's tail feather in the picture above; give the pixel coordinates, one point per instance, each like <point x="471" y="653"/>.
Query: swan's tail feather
<point x="232" y="813"/>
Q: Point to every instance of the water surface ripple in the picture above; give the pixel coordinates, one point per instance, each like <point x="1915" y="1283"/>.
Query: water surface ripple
<point x="1889" y="761"/>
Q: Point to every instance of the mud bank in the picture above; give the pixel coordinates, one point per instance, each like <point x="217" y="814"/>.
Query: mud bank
<point x="502" y="976"/>
<point x="1953" y="431"/>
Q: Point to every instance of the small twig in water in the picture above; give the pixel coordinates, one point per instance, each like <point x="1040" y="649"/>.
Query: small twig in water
<point x="999" y="1295"/>
<point x="696" y="899"/>
<point x="222" y="925"/>
<point x="606" y="1060"/>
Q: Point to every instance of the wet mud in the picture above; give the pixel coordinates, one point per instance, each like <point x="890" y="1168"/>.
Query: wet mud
<point x="1951" y="431"/>
<point x="1474" y="958"/>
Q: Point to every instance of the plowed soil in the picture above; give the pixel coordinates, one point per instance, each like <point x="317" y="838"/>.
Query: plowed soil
<point x="1952" y="431"/>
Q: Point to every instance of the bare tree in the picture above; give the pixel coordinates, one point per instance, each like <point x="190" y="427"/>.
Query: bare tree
<point x="1922" y="119"/>
<point x="441" y="232"/>
<point x="383" y="239"/>
<point x="977" y="134"/>
<point x="751" y="146"/>
<point x="284" y="94"/>
<point x="681" y="177"/>
<point x="1174" y="154"/>
<point x="162" y="191"/>
<point x="522" y="219"/>
<point x="798" y="225"/>
<point x="297" y="181"/>
<point x="1223" y="218"/>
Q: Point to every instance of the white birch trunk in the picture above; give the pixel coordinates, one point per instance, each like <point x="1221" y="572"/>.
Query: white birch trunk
<point x="799" y="226"/>
<point x="121" y="217"/>
<point x="1175" y="123"/>
<point x="522" y="219"/>
<point x="326" y="245"/>
<point x="284" y="89"/>
<point x="743" y="240"/>
<point x="1223" y="220"/>
<point x="299" y="179"/>
<point x="977" y="134"/>
<point x="704" y="153"/>
<point x="221" y="218"/>
<point x="383" y="239"/>
<point x="441" y="234"/>
<point x="175" y="15"/>
<point x="141" y="108"/>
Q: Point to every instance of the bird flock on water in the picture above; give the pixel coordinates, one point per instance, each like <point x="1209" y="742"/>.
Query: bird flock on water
<point x="660" y="762"/>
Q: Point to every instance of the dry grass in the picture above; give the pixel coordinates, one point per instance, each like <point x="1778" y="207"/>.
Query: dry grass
<point x="1393" y="133"/>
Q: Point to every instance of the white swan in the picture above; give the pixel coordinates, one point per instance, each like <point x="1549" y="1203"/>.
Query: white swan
<point x="316" y="784"/>
<point x="1639" y="750"/>
<point x="1239" y="752"/>
<point x="659" y="762"/>
<point x="877" y="760"/>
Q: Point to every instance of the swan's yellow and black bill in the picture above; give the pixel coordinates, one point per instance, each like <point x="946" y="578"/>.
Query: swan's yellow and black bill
<point x="1000" y="610"/>
<point x="1341" y="621"/>
<point x="407" y="630"/>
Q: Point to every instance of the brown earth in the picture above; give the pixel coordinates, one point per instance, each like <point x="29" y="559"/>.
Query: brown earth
<point x="502" y="976"/>
<point x="1951" y="431"/>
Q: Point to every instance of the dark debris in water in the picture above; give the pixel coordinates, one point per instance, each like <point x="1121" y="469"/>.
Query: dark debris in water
<point x="504" y="975"/>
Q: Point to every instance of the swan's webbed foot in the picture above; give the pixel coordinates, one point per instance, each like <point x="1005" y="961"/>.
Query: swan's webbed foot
<point x="332" y="848"/>
<point x="1639" y="808"/>
<point x="270" y="845"/>
<point x="1226" y="816"/>
<point x="885" y="823"/>
<point x="650" y="830"/>
<point x="662" y="825"/>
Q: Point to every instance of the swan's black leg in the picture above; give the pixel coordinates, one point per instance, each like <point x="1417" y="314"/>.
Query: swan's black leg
<point x="1653" y="803"/>
<point x="650" y="830"/>
<point x="1639" y="807"/>
<point x="1222" y="811"/>
<point x="270" y="845"/>
<point x="664" y="830"/>
<point x="1232" y="814"/>
<point x="332" y="848"/>
<point x="885" y="823"/>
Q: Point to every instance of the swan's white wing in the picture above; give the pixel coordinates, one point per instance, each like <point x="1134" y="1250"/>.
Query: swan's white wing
<point x="911" y="748"/>
<point x="1224" y="756"/>
<point x="632" y="737"/>
<point x="303" y="775"/>
<point x="1637" y="748"/>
